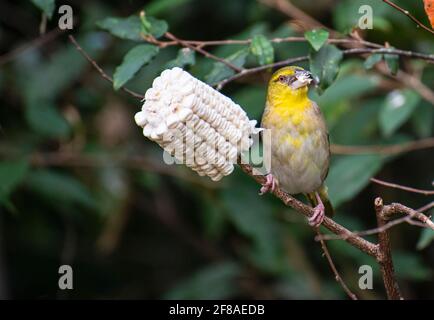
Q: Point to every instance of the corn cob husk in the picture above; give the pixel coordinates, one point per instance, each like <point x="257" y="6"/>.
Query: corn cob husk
<point x="195" y="123"/>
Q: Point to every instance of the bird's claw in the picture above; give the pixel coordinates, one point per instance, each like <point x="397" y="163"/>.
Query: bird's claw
<point x="269" y="185"/>
<point x="318" y="216"/>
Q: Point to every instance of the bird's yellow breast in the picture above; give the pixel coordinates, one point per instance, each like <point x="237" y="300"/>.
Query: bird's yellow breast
<point x="286" y="108"/>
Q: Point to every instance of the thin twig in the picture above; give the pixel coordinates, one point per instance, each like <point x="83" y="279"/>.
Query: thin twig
<point x="338" y="278"/>
<point x="204" y="52"/>
<point x="384" y="149"/>
<point x="397" y="208"/>
<point x="99" y="69"/>
<point x="384" y="256"/>
<point x="245" y="72"/>
<point x="401" y="187"/>
<point x="287" y="8"/>
<point x="408" y="14"/>
<point x="204" y="43"/>
<point x="415" y="83"/>
<point x="39" y="41"/>
<point x="429" y="58"/>
<point x="370" y="232"/>
<point x="426" y="207"/>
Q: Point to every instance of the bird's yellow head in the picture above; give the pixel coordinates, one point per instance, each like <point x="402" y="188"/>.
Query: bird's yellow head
<point x="289" y="86"/>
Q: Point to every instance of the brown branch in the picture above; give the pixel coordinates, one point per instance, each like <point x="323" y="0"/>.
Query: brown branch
<point x="338" y="278"/>
<point x="408" y="14"/>
<point x="415" y="83"/>
<point x="384" y="149"/>
<point x="426" y="207"/>
<point x="369" y="232"/>
<point x="397" y="208"/>
<point x="204" y="44"/>
<point x="384" y="256"/>
<point x="41" y="40"/>
<point x="401" y="187"/>
<point x="99" y="69"/>
<point x="358" y="242"/>
<point x="203" y="52"/>
<point x="245" y="72"/>
<point x="287" y="8"/>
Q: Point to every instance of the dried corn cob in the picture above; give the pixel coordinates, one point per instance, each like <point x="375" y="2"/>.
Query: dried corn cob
<point x="196" y="124"/>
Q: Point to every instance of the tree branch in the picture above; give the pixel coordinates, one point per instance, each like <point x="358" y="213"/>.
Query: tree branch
<point x="203" y="52"/>
<point x="99" y="69"/>
<point x="39" y="41"/>
<point x="384" y="149"/>
<point x="401" y="187"/>
<point x="408" y="14"/>
<point x="338" y="278"/>
<point x="387" y="226"/>
<point x="384" y="256"/>
<point x="358" y="242"/>
<point x="287" y="8"/>
<point x="429" y="58"/>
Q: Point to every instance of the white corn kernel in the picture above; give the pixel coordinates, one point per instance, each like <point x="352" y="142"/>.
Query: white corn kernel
<point x="195" y="123"/>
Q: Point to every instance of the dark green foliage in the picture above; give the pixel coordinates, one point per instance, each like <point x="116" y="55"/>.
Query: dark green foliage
<point x="80" y="185"/>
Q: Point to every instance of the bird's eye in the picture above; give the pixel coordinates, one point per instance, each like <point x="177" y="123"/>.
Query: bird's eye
<point x="282" y="78"/>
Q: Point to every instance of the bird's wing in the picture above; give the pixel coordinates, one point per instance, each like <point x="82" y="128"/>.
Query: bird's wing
<point x="325" y="136"/>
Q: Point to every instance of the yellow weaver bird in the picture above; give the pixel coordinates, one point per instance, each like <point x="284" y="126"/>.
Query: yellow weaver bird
<point x="300" y="148"/>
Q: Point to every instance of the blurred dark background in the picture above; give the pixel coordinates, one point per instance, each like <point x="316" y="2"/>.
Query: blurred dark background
<point x="80" y="185"/>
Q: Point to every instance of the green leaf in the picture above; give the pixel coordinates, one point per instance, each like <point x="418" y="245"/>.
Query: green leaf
<point x="423" y="119"/>
<point x="185" y="57"/>
<point x="345" y="88"/>
<point x="317" y="38"/>
<point x="125" y="28"/>
<point x="262" y="49"/>
<point x="131" y="28"/>
<point x="215" y="282"/>
<point x="356" y="125"/>
<point x="392" y="62"/>
<point x="44" y="118"/>
<point x="46" y="6"/>
<point x="350" y="174"/>
<point x="397" y="108"/>
<point x="426" y="237"/>
<point x="59" y="188"/>
<point x="221" y="71"/>
<point x="11" y="174"/>
<point x="253" y="217"/>
<point x="158" y="27"/>
<point x="372" y="60"/>
<point x="146" y="25"/>
<point x="325" y="64"/>
<point x="133" y="61"/>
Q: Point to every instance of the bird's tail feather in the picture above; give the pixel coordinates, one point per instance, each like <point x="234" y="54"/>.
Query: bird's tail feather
<point x="322" y="191"/>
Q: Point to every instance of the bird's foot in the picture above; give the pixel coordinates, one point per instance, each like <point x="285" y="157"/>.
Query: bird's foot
<point x="318" y="216"/>
<point x="269" y="185"/>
